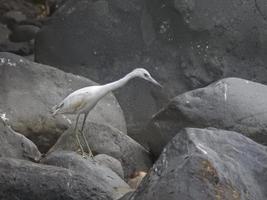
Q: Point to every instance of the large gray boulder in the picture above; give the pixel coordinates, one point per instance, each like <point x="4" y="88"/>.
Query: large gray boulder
<point x="25" y="180"/>
<point x="108" y="140"/>
<point x="105" y="178"/>
<point x="203" y="164"/>
<point x="15" y="145"/>
<point x="184" y="44"/>
<point x="29" y="91"/>
<point x="231" y="104"/>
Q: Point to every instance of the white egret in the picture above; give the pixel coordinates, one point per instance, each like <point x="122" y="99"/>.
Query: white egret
<point x="83" y="100"/>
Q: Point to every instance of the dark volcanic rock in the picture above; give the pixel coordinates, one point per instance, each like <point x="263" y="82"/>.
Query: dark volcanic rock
<point x="28" y="181"/>
<point x="29" y="91"/>
<point x="202" y="164"/>
<point x="185" y="44"/>
<point x="107" y="180"/>
<point x="24" y="6"/>
<point x="55" y="5"/>
<point x="110" y="162"/>
<point x="15" y="145"/>
<point x="21" y="48"/>
<point x="105" y="139"/>
<point x="231" y="104"/>
<point x="17" y="16"/>
<point x="16" y="38"/>
<point x="23" y="33"/>
<point x="4" y="32"/>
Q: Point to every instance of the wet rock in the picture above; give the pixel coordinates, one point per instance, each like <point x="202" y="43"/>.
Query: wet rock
<point x="107" y="180"/>
<point x="207" y="164"/>
<point x="15" y="145"/>
<point x="231" y="104"/>
<point x="105" y="139"/>
<point x="29" y="91"/>
<point x="28" y="181"/>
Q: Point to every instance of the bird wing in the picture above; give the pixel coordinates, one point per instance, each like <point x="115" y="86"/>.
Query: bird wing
<point x="78" y="104"/>
<point x="71" y="104"/>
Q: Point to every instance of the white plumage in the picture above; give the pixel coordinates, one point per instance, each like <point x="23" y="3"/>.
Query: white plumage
<point x="80" y="101"/>
<point x="83" y="100"/>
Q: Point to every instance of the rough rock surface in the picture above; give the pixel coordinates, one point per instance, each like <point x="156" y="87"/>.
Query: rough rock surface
<point x="25" y="180"/>
<point x="15" y="15"/>
<point x="29" y="91"/>
<point x="23" y="33"/>
<point x="230" y="104"/>
<point x="15" y="145"/>
<point x="20" y="18"/>
<point x="202" y="164"/>
<point x="111" y="163"/>
<point x="107" y="180"/>
<point x="24" y="6"/>
<point x="105" y="139"/>
<point x="4" y="33"/>
<point x="55" y="5"/>
<point x="21" y="48"/>
<point x="185" y="44"/>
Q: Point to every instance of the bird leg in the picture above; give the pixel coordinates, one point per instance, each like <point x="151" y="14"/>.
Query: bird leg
<point x="76" y="134"/>
<point x="84" y="138"/>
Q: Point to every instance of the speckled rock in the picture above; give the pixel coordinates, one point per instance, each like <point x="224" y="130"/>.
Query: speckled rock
<point x="25" y="180"/>
<point x="15" y="145"/>
<point x="207" y="164"/>
<point x="107" y="180"/>
<point x="231" y="104"/>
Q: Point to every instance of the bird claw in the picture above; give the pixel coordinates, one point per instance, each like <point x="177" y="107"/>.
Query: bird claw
<point x="85" y="155"/>
<point x="87" y="145"/>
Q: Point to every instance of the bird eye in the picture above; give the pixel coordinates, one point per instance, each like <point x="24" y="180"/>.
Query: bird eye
<point x="146" y="75"/>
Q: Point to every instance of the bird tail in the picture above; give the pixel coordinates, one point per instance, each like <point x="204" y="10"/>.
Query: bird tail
<point x="56" y="108"/>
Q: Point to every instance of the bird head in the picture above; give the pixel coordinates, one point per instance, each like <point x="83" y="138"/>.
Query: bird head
<point x="144" y="74"/>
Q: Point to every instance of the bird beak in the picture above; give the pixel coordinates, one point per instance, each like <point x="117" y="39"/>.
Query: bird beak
<point x="155" y="82"/>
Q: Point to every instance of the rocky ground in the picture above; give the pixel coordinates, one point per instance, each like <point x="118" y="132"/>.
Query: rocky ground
<point x="202" y="137"/>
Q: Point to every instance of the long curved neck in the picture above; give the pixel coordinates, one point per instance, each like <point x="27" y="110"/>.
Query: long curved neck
<point x="117" y="84"/>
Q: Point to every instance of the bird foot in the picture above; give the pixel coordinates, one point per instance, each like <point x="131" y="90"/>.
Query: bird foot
<point x="89" y="155"/>
<point x="84" y="155"/>
<point x="87" y="145"/>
